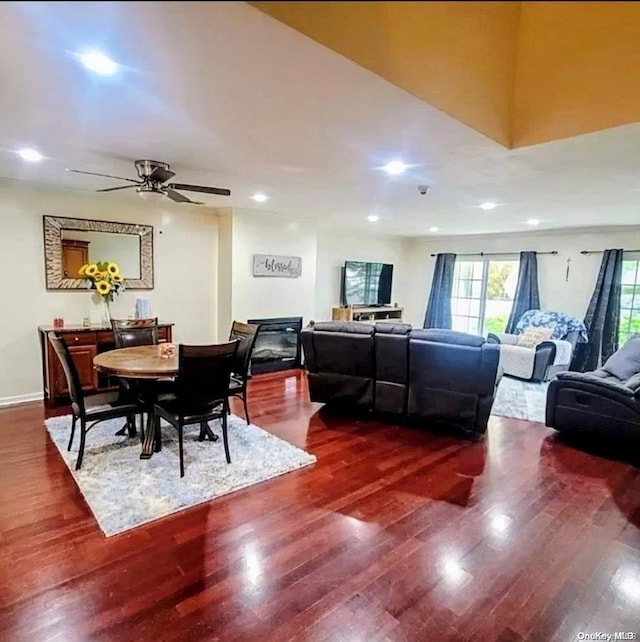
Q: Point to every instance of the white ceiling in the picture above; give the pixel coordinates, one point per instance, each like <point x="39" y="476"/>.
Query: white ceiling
<point x="232" y="98"/>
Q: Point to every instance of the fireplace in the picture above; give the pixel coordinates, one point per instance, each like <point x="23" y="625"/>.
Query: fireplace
<point x="277" y="344"/>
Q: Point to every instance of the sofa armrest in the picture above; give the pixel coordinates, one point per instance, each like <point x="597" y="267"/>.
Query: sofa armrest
<point x="503" y="337"/>
<point x="607" y="384"/>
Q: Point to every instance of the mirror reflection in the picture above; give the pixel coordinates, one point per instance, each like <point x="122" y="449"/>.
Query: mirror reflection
<point x="80" y="248"/>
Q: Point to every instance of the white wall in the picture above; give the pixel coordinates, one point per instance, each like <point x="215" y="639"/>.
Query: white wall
<point x="334" y="248"/>
<point x="185" y="253"/>
<point x="323" y="252"/>
<point x="263" y="297"/>
<point x="556" y="293"/>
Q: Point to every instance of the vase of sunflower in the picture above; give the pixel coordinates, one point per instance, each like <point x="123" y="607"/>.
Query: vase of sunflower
<point x="105" y="278"/>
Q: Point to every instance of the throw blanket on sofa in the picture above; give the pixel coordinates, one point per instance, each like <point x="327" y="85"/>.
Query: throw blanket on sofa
<point x="564" y="323"/>
<point x="518" y="361"/>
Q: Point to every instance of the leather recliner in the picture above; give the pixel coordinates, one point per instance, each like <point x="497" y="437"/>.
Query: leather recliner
<point x="452" y="378"/>
<point x="340" y="361"/>
<point x="440" y="376"/>
<point x="605" y="401"/>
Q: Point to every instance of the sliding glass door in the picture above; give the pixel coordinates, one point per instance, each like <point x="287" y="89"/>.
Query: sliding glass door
<point x="483" y="292"/>
<point x="630" y="299"/>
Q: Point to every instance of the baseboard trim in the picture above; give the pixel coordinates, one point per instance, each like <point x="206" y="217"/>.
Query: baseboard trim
<point x="20" y="399"/>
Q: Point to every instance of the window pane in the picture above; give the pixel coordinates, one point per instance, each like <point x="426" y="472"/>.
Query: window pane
<point x="629" y="272"/>
<point x="476" y="289"/>
<point x="466" y="269"/>
<point x="502" y="279"/>
<point x="460" y="307"/>
<point x="629" y="301"/>
<point x="478" y="270"/>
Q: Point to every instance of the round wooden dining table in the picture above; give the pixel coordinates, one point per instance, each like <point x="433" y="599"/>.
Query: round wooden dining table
<point x="140" y="362"/>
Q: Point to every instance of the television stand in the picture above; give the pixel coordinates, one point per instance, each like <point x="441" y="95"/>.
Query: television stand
<point x="371" y="314"/>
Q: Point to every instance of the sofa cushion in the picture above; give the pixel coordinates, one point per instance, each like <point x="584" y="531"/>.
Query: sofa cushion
<point x="625" y="362"/>
<point x="350" y="327"/>
<point x="448" y="336"/>
<point x="532" y="337"/>
<point x="387" y="327"/>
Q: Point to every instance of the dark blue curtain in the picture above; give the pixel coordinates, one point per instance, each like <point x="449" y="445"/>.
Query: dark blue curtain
<point x="438" y="313"/>
<point x="603" y="315"/>
<point x="527" y="296"/>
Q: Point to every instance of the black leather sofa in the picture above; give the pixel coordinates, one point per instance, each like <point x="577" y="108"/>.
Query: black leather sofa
<point x="429" y="376"/>
<point x="603" y="402"/>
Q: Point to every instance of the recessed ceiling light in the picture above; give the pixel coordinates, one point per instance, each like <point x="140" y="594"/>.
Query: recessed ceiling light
<point x="434" y="229"/>
<point x="100" y="64"/>
<point x="30" y="155"/>
<point x="394" y="167"/>
<point x="260" y="198"/>
<point x="488" y="206"/>
<point x="533" y="222"/>
<point x="372" y="218"/>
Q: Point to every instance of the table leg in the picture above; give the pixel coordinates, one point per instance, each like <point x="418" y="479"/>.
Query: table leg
<point x="206" y="432"/>
<point x="151" y="440"/>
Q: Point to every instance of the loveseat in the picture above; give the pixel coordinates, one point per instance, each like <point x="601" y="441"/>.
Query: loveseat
<point x="429" y="376"/>
<point x="603" y="402"/>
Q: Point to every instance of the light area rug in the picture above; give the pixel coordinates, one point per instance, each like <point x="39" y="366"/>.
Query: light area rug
<point x="520" y="399"/>
<point x="124" y="491"/>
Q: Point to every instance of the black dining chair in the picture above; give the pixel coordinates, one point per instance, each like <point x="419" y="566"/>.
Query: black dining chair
<point x="131" y="333"/>
<point x="92" y="409"/>
<point x="246" y="334"/>
<point x="202" y="391"/>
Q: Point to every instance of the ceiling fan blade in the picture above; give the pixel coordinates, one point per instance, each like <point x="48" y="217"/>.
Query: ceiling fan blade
<point x="200" y="188"/>
<point x="179" y="198"/>
<point x="120" y="178"/>
<point x="160" y="175"/>
<point x="113" y="189"/>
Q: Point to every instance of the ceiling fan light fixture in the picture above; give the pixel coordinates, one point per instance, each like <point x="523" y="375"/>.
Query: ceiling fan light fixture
<point x="149" y="194"/>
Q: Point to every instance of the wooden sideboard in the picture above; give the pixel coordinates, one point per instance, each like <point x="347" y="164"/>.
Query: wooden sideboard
<point x="84" y="344"/>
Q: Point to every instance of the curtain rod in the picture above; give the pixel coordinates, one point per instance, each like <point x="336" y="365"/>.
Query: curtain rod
<point x="500" y="253"/>
<point x="599" y="251"/>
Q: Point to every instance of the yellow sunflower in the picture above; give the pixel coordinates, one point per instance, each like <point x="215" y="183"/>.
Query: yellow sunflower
<point x="113" y="269"/>
<point x="91" y="270"/>
<point x="103" y="287"/>
<point x="82" y="269"/>
<point x="117" y="278"/>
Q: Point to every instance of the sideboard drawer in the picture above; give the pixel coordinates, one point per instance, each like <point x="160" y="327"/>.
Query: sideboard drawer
<point x="79" y="338"/>
<point x="105" y="337"/>
<point x="163" y="334"/>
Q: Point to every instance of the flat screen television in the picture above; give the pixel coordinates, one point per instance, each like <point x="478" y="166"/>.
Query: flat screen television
<point x="366" y="283"/>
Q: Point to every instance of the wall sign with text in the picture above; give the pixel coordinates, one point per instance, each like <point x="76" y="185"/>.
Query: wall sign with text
<point x="271" y="265"/>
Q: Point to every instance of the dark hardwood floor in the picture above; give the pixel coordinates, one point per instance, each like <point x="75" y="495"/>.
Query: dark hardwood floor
<point x="395" y="534"/>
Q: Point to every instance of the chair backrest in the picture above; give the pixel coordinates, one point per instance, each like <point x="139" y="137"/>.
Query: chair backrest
<point x="129" y="333"/>
<point x="70" y="372"/>
<point x="245" y="334"/>
<point x="204" y="373"/>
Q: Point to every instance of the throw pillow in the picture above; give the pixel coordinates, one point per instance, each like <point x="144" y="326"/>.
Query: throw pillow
<point x="531" y="337"/>
<point x="625" y="362"/>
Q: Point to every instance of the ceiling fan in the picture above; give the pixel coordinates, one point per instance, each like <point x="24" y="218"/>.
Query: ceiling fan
<point x="153" y="177"/>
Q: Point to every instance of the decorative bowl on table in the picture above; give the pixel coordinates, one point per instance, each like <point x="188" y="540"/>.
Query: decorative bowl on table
<point x="167" y="350"/>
